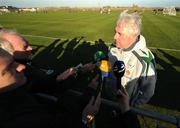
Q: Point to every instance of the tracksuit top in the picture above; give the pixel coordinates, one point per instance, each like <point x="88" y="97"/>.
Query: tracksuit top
<point x="140" y="75"/>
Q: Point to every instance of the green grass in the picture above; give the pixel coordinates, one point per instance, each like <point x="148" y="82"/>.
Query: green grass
<point x="63" y="24"/>
<point x="81" y="34"/>
<point x="161" y="31"/>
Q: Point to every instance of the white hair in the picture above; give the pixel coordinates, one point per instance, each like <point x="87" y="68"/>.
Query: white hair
<point x="4" y="44"/>
<point x="132" y="22"/>
<point x="4" y="31"/>
<point x="8" y="31"/>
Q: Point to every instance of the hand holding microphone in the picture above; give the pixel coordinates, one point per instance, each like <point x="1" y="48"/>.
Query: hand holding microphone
<point x="91" y="65"/>
<point x="103" y="69"/>
<point x="118" y="69"/>
<point x="101" y="61"/>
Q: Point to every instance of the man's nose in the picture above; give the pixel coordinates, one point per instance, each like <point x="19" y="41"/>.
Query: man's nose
<point x="20" y="67"/>
<point x="115" y="36"/>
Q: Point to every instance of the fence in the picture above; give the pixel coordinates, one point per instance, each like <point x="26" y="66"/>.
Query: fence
<point x="154" y="115"/>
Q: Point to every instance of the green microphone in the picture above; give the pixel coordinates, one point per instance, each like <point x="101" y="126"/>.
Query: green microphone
<point x="98" y="56"/>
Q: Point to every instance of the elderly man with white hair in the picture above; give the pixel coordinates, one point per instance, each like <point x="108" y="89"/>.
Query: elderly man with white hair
<point x="129" y="46"/>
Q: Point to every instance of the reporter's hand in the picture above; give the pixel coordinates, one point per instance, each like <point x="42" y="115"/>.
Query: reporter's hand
<point x="88" y="67"/>
<point x="94" y="82"/>
<point x="66" y="74"/>
<point x="91" y="110"/>
<point x="124" y="100"/>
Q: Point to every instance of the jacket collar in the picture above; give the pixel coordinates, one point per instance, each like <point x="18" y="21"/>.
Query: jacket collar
<point x="140" y="43"/>
<point x="133" y="44"/>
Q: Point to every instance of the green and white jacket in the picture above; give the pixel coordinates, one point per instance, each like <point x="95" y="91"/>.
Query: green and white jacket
<point x="140" y="74"/>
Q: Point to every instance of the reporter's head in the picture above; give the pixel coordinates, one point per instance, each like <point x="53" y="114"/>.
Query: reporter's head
<point x="11" y="72"/>
<point x="22" y="50"/>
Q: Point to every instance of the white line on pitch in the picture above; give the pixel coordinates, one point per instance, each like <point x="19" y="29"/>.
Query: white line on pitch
<point x="41" y="36"/>
<point x="166" y="49"/>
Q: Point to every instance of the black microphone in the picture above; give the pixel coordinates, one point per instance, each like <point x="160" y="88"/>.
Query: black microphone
<point x="119" y="70"/>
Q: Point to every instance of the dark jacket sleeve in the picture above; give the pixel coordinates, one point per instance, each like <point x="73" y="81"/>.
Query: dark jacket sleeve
<point x="40" y="80"/>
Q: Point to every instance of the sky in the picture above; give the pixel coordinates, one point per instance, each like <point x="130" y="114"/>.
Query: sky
<point x="88" y="3"/>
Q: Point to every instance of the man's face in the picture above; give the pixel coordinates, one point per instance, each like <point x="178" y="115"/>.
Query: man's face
<point x="123" y="38"/>
<point x="11" y="72"/>
<point x="22" y="50"/>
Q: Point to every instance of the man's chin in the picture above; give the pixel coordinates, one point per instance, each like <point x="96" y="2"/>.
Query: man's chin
<point x="117" y="46"/>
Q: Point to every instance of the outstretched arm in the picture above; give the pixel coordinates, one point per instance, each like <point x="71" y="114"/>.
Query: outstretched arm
<point x="128" y="118"/>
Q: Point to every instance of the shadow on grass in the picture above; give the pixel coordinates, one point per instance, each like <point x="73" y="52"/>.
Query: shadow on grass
<point x="62" y="54"/>
<point x="168" y="82"/>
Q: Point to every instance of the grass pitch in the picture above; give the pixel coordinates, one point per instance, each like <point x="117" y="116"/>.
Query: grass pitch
<point x="63" y="39"/>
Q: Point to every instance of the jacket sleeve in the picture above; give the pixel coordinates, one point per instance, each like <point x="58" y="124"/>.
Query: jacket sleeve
<point x="41" y="80"/>
<point x="147" y="80"/>
<point x="145" y="90"/>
